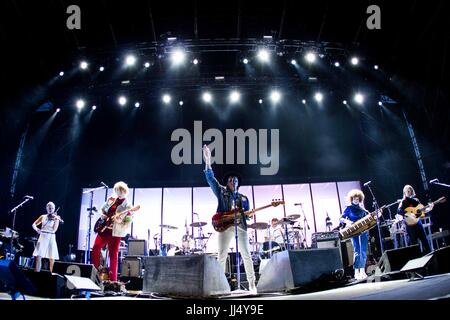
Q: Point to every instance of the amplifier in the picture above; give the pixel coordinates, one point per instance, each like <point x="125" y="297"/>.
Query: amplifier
<point x="325" y="239"/>
<point x="132" y="267"/>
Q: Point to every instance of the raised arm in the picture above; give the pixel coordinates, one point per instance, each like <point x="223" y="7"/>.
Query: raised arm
<point x="209" y="174"/>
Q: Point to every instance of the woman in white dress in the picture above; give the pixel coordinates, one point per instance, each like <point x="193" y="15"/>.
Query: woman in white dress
<point x="46" y="246"/>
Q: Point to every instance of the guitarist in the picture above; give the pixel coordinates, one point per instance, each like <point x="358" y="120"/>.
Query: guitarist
<point x="417" y="231"/>
<point x="113" y="233"/>
<point x="227" y="196"/>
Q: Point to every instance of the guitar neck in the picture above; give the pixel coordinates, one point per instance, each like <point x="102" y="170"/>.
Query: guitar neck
<point x="259" y="209"/>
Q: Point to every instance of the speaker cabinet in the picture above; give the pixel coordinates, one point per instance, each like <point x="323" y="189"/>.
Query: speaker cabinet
<point x="77" y="269"/>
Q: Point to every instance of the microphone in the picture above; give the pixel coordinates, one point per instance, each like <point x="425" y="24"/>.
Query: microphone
<point x="195" y="213"/>
<point x="367" y="183"/>
<point x="298" y="204"/>
<point x="434" y="181"/>
<point x="104" y="184"/>
<point x="29" y="197"/>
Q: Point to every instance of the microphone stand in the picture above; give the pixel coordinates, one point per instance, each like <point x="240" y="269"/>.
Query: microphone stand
<point x="376" y="207"/>
<point x="238" y="261"/>
<point x="14" y="211"/>
<point x="87" y="250"/>
<point x="305" y="226"/>
<point x="441" y="184"/>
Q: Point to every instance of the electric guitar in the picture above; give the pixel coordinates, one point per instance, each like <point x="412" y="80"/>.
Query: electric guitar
<point x="412" y="215"/>
<point x="103" y="223"/>
<point x="221" y="221"/>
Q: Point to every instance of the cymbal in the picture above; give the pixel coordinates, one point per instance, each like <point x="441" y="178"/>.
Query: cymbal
<point x="293" y="216"/>
<point x="259" y="225"/>
<point x="198" y="224"/>
<point x="285" y="221"/>
<point x="166" y="226"/>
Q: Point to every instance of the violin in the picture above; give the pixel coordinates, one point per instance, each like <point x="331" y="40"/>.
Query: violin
<point x="54" y="216"/>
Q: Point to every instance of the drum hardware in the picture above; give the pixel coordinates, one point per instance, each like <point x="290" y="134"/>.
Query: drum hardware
<point x="259" y="225"/>
<point x="168" y="227"/>
<point x="293" y="216"/>
<point x="198" y="224"/>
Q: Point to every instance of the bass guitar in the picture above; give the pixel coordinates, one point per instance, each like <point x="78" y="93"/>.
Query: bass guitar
<point x="221" y="221"/>
<point x="104" y="223"/>
<point x="412" y="215"/>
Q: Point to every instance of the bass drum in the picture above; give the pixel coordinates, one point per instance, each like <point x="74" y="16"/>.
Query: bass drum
<point x="268" y="248"/>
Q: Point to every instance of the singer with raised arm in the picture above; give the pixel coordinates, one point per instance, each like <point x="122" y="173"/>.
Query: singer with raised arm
<point x="414" y="228"/>
<point x="353" y="212"/>
<point x="46" y="246"/>
<point x="228" y="199"/>
<point x="112" y="226"/>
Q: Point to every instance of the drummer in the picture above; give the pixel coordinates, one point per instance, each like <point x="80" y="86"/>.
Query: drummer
<point x="275" y="232"/>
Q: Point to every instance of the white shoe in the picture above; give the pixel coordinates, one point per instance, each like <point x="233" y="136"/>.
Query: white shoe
<point x="252" y="288"/>
<point x="357" y="274"/>
<point x="362" y="274"/>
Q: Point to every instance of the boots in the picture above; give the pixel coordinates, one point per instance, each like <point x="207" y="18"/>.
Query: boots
<point x="357" y="274"/>
<point x="362" y="274"/>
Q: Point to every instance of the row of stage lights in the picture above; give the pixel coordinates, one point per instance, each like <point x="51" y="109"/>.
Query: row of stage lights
<point x="275" y="97"/>
<point x="179" y="57"/>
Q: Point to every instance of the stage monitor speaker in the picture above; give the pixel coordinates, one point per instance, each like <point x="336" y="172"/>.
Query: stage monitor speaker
<point x="47" y="284"/>
<point x="186" y="276"/>
<point x="288" y="270"/>
<point x="77" y="269"/>
<point x="437" y="262"/>
<point x="137" y="247"/>
<point x="132" y="267"/>
<point x="13" y="280"/>
<point x="393" y="260"/>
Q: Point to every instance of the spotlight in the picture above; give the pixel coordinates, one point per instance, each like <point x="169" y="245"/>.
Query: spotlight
<point x="380" y="103"/>
<point x="304" y="101"/>
<point x="181" y="103"/>
<point x="245" y="61"/>
<point x="80" y="104"/>
<point x="375" y="67"/>
<point x="102" y="69"/>
<point x="359" y="98"/>
<point x="147" y="64"/>
<point x="195" y="61"/>
<point x="344" y="102"/>
<point x="178" y="57"/>
<point x="263" y="55"/>
<point x="354" y="61"/>
<point x="83" y="65"/>
<point x="122" y="100"/>
<point x="137" y="104"/>
<point x="293" y="62"/>
<point x="94" y="107"/>
<point x="310" y="57"/>
<point x="130" y="60"/>
<point x="275" y="96"/>
<point x="58" y="110"/>
<point x="260" y="101"/>
<point x="207" y="97"/>
<point x="61" y="73"/>
<point x="318" y="96"/>
<point x="337" y="64"/>
<point x="166" y="98"/>
<point x="235" y="96"/>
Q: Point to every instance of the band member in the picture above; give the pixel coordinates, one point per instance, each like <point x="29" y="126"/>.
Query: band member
<point x="352" y="213"/>
<point x="112" y="234"/>
<point x="417" y="231"/>
<point x="46" y="246"/>
<point x="229" y="198"/>
<point x="275" y="232"/>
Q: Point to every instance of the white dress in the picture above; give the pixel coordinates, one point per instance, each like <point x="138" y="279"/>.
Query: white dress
<point x="46" y="246"/>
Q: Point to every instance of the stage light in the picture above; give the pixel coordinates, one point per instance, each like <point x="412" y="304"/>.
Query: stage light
<point x="181" y="103"/>
<point x="337" y="64"/>
<point x="137" y="105"/>
<point x="359" y="98"/>
<point x="310" y="57"/>
<point x="375" y="67"/>
<point x="80" y="104"/>
<point x="235" y="96"/>
<point x="83" y="65"/>
<point x="304" y="101"/>
<point x="275" y="96"/>
<point x="122" y="100"/>
<point x="293" y="62"/>
<point x="94" y="107"/>
<point x="61" y="73"/>
<point x="207" y="97"/>
<point x="58" y="110"/>
<point x="380" y="103"/>
<point x="245" y="61"/>
<point x="147" y="64"/>
<point x="318" y="97"/>
<point x="166" y="98"/>
<point x="263" y="55"/>
<point x="354" y="61"/>
<point x="195" y="61"/>
<point x="130" y="60"/>
<point x="260" y="101"/>
<point x="178" y="57"/>
<point x="344" y="102"/>
<point x="101" y="69"/>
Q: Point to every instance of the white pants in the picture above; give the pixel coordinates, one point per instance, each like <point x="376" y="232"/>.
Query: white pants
<point x="225" y="238"/>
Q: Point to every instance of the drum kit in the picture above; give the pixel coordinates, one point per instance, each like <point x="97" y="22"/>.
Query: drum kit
<point x="266" y="249"/>
<point x="188" y="245"/>
<point x="9" y="243"/>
